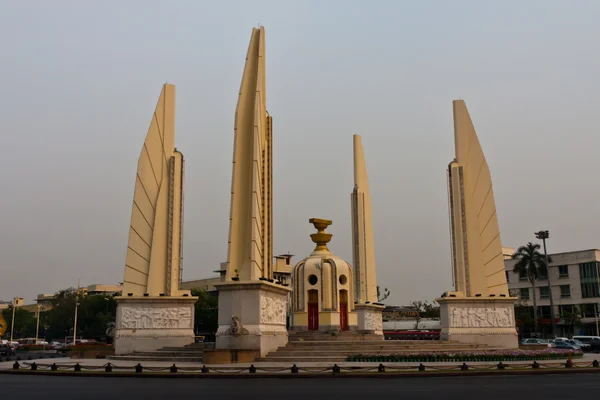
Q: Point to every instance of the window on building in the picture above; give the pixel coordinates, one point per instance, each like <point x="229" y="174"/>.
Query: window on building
<point x="544" y="312"/>
<point x="563" y="271"/>
<point x="542" y="275"/>
<point x="524" y="293"/>
<point x="588" y="310"/>
<point x="522" y="275"/>
<point x="565" y="290"/>
<point x="589" y="290"/>
<point x="565" y="309"/>
<point x="544" y="292"/>
<point x="588" y="276"/>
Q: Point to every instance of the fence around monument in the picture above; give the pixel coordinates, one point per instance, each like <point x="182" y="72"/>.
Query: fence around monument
<point x="335" y="369"/>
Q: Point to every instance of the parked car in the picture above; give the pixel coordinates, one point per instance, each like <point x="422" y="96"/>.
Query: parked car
<point x="559" y="344"/>
<point x="539" y="342"/>
<point x="583" y="346"/>
<point x="593" y="341"/>
<point x="6" y="350"/>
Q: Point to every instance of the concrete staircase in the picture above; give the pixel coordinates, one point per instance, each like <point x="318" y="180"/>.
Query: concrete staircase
<point x="321" y="347"/>
<point x="190" y="353"/>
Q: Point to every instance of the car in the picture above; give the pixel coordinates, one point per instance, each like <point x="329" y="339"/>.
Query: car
<point x="593" y="341"/>
<point x="583" y="346"/>
<point x="6" y="350"/>
<point x="559" y="344"/>
<point x="537" y="342"/>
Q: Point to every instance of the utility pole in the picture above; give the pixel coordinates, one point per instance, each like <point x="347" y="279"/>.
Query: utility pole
<point x="37" y="325"/>
<point x="75" y="320"/>
<point x="596" y="304"/>
<point x="545" y="235"/>
<point x="12" y="324"/>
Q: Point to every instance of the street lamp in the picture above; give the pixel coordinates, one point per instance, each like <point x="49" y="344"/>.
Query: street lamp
<point x="75" y="319"/>
<point x="37" y="325"/>
<point x="545" y="235"/>
<point x="15" y="302"/>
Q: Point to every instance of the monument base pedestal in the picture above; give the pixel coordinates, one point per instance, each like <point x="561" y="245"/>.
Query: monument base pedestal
<point x="370" y="318"/>
<point x="150" y="323"/>
<point x="479" y="320"/>
<point x="252" y="316"/>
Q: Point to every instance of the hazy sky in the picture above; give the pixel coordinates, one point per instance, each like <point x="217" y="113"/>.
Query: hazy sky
<point x="80" y="80"/>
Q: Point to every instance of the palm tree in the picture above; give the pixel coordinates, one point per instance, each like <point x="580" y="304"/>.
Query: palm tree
<point x="531" y="264"/>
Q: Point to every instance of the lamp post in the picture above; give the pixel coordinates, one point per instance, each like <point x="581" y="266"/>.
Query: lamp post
<point x="545" y="235"/>
<point x="596" y="304"/>
<point x="12" y="324"/>
<point x="16" y="301"/>
<point x="75" y="318"/>
<point x="37" y="325"/>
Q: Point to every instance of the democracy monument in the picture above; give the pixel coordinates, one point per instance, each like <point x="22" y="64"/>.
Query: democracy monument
<point x="328" y="294"/>
<point x="480" y="309"/>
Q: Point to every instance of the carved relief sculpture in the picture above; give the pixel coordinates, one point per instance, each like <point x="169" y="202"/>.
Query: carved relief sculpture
<point x="481" y="317"/>
<point x="156" y="318"/>
<point x="272" y="310"/>
<point x="373" y="321"/>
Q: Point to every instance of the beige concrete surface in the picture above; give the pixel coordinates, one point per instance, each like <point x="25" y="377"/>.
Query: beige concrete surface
<point x="476" y="247"/>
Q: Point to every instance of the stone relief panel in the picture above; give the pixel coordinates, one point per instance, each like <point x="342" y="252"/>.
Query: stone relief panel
<point x="156" y="318"/>
<point x="373" y="321"/>
<point x="272" y="310"/>
<point x="481" y="317"/>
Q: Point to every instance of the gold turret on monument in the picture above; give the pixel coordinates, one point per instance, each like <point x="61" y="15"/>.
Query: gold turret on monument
<point x="252" y="307"/>
<point x="323" y="296"/>
<point x="479" y="310"/>
<point x="152" y="311"/>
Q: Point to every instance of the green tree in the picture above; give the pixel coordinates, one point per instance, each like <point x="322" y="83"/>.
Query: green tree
<point x="206" y="312"/>
<point x="523" y="315"/>
<point x="572" y="318"/>
<point x="25" y="323"/>
<point x="381" y="297"/>
<point x="94" y="314"/>
<point x="424" y="309"/>
<point x="59" y="319"/>
<point x="531" y="263"/>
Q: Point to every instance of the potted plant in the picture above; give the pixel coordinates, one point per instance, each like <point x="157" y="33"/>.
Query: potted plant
<point x="237" y="275"/>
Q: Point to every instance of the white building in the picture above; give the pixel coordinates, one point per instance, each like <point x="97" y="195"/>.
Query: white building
<point x="575" y="287"/>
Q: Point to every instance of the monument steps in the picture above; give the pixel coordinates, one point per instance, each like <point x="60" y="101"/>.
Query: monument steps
<point x="190" y="353"/>
<point x="323" y="347"/>
<point x="141" y="358"/>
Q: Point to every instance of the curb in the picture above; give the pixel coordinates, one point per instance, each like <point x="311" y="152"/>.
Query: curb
<point x="263" y="375"/>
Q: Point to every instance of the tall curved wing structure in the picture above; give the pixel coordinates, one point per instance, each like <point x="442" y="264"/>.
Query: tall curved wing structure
<point x="477" y="250"/>
<point x="363" y="245"/>
<point x="154" y="248"/>
<point x="250" y="246"/>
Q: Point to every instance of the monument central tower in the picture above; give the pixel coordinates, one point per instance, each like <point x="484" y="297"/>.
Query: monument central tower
<point x="252" y="307"/>
<point x="250" y="250"/>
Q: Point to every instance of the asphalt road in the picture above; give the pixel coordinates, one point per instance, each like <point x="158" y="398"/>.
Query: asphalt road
<point x="547" y="387"/>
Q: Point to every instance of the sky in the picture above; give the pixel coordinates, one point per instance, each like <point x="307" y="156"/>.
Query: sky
<point x="80" y="81"/>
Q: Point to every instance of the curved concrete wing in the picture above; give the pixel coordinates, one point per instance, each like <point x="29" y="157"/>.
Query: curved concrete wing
<point x="477" y="250"/>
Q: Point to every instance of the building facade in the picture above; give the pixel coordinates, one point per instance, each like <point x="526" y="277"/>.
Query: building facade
<point x="575" y="290"/>
<point x="282" y="272"/>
